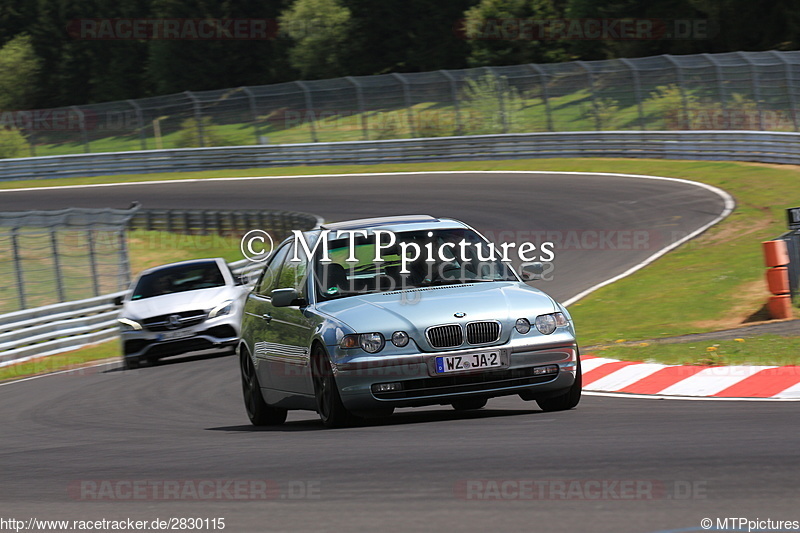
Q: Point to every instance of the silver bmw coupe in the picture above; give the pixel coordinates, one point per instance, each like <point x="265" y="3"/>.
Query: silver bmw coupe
<point x="355" y="319"/>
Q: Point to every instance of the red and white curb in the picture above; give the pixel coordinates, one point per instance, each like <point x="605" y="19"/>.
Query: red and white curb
<point x="625" y="377"/>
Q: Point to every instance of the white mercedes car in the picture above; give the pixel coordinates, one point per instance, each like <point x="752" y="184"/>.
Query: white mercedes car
<point x="181" y="307"/>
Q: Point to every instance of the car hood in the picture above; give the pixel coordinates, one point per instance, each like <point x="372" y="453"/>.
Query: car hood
<point x="415" y="310"/>
<point x="180" y="301"/>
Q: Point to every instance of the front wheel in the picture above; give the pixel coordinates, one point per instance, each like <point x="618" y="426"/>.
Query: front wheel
<point x="569" y="399"/>
<point x="258" y="411"/>
<point x="331" y="410"/>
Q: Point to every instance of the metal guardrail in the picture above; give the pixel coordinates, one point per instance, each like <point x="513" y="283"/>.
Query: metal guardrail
<point x="206" y="222"/>
<point x="765" y="147"/>
<point x="57" y="328"/>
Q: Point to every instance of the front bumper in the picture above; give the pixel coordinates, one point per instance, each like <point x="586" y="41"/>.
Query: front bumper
<point x="535" y="371"/>
<point x="212" y="334"/>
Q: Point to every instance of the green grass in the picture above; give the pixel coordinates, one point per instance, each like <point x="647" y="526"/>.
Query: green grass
<point x="152" y="248"/>
<point x="54" y="363"/>
<point x="715" y="281"/>
<point x="763" y="350"/>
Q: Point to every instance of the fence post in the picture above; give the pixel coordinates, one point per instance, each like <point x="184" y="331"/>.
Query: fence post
<point x="124" y="261"/>
<point x="454" y="94"/>
<point x="198" y="117"/>
<point x="360" y="98"/>
<point x="720" y="81"/>
<point x="637" y="90"/>
<point x="57" y="265"/>
<point x="789" y="87"/>
<point x="545" y="96"/>
<point x="500" y="99"/>
<point x="93" y="262"/>
<point x="679" y="76"/>
<point x="251" y="98"/>
<point x="756" y="88"/>
<point x="407" y="100"/>
<point x="140" y="120"/>
<point x="309" y="109"/>
<point x="590" y="78"/>
<point x="18" y="268"/>
<point x="82" y="125"/>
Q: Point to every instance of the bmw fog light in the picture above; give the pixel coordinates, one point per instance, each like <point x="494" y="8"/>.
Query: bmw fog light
<point x="387" y="387"/>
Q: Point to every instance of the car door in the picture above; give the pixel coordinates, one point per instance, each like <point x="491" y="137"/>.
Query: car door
<point x="256" y="321"/>
<point x="290" y="332"/>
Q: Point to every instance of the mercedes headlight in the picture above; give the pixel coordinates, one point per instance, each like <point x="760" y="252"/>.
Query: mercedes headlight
<point x="225" y="308"/>
<point x="126" y="324"/>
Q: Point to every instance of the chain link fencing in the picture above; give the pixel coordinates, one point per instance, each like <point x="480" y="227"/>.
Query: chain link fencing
<point x="730" y="91"/>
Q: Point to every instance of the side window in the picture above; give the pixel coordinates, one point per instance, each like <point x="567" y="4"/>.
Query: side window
<point x="293" y="274"/>
<point x="269" y="278"/>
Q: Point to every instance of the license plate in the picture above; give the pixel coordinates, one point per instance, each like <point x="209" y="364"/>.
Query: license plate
<point x="461" y="363"/>
<point x="177" y="334"/>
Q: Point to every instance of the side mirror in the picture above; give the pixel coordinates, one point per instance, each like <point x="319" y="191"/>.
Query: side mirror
<point x="287" y="298"/>
<point x="241" y="279"/>
<point x="118" y="300"/>
<point x="532" y="271"/>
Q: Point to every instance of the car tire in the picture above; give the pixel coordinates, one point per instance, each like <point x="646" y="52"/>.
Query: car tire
<point x="330" y="408"/>
<point x="469" y="404"/>
<point x="568" y="400"/>
<point x="259" y="412"/>
<point x="131" y="363"/>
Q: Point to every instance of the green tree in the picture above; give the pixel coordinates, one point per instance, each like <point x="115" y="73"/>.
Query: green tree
<point x="196" y="64"/>
<point x="13" y="144"/>
<point x="406" y="35"/>
<point x="497" y="33"/>
<point x="319" y="30"/>
<point x="18" y="68"/>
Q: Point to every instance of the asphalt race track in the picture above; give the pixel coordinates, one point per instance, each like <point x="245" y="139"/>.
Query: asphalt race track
<point x="611" y="465"/>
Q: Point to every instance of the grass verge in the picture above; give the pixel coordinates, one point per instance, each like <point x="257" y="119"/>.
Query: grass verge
<point x="761" y="350"/>
<point x="53" y="363"/>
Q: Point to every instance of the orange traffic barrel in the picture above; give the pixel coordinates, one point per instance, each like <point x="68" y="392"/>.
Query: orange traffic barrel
<point x="775" y="253"/>
<point x="780" y="306"/>
<point x="778" y="280"/>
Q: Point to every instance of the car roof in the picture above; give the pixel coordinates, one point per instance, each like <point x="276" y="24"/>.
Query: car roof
<point x="394" y="223"/>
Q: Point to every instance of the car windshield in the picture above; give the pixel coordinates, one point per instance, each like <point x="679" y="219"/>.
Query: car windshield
<point x="179" y="278"/>
<point x="446" y="257"/>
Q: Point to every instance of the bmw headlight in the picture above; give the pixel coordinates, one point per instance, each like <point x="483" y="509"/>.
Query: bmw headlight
<point x="126" y="324"/>
<point x="547" y="324"/>
<point x="371" y="342"/>
<point x="225" y="308"/>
